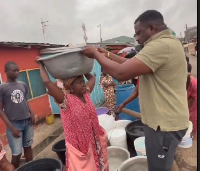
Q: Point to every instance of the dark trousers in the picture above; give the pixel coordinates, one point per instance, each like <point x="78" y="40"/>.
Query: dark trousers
<point x="161" y="148"/>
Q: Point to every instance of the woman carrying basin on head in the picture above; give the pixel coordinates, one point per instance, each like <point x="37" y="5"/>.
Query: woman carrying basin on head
<point x="85" y="138"/>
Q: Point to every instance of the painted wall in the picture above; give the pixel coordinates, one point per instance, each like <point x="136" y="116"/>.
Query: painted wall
<point x="25" y="58"/>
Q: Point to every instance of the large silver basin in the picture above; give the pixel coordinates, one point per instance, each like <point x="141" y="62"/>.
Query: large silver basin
<point x="138" y="163"/>
<point x="67" y="62"/>
<point x="116" y="156"/>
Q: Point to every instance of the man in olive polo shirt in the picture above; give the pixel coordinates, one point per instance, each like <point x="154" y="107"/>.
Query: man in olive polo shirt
<point x="162" y="69"/>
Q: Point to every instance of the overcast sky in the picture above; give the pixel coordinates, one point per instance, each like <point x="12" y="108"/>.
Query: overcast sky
<point x="21" y="19"/>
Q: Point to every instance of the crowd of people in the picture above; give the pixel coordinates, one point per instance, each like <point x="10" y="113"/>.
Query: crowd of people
<point x="162" y="76"/>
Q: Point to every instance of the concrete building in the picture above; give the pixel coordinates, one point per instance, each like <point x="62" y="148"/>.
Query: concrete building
<point x="190" y="33"/>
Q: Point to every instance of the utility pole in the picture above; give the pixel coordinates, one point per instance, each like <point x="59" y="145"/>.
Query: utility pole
<point x="84" y="31"/>
<point x="43" y="23"/>
<point x="100" y="34"/>
<point x="186" y="34"/>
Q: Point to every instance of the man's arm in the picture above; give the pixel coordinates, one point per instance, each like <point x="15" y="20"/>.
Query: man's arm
<point x="112" y="56"/>
<point x="31" y="113"/>
<point x="5" y="119"/>
<point x="122" y="72"/>
<point x="29" y="108"/>
<point x="154" y="55"/>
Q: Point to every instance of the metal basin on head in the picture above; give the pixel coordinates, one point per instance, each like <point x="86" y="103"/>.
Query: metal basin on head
<point x="66" y="63"/>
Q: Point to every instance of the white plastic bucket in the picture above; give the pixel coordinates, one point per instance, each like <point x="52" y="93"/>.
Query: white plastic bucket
<point x="122" y="123"/>
<point x="187" y="139"/>
<point x="117" y="137"/>
<point x="107" y="122"/>
<point x="140" y="148"/>
<point x="138" y="163"/>
<point x="116" y="156"/>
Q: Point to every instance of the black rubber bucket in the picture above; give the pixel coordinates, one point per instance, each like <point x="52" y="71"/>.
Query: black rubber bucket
<point x="45" y="164"/>
<point x="60" y="150"/>
<point x="133" y="130"/>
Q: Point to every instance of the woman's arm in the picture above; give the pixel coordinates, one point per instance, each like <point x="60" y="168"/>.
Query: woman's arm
<point x="127" y="101"/>
<point x="91" y="81"/>
<point x="53" y="89"/>
<point x="132" y="97"/>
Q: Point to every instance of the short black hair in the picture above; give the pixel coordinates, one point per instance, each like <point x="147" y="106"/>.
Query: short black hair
<point x="7" y="65"/>
<point x="130" y="55"/>
<point x="150" y="16"/>
<point x="187" y="59"/>
<point x="189" y="67"/>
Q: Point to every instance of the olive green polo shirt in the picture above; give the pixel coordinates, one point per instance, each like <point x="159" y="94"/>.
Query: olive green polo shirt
<point x="163" y="96"/>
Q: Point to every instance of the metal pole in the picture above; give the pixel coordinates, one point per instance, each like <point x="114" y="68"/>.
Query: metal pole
<point x="100" y="35"/>
<point x="43" y="29"/>
<point x="186" y="27"/>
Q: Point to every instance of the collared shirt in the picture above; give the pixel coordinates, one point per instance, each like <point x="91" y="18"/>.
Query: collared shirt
<point x="163" y="97"/>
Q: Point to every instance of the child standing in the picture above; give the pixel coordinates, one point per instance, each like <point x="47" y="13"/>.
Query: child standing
<point x="192" y="102"/>
<point x="191" y="87"/>
<point x="16" y="114"/>
<point x="85" y="139"/>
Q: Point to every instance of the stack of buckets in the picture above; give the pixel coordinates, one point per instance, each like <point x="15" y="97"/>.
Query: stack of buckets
<point x="106" y="121"/>
<point x="140" y="148"/>
<point x="117" y="137"/>
<point x="115" y="129"/>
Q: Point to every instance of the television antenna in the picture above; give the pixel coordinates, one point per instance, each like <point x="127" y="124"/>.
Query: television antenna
<point x="44" y="26"/>
<point x="84" y="33"/>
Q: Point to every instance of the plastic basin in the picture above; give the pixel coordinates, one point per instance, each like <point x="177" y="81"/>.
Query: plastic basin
<point x="116" y="156"/>
<point x="45" y="164"/>
<point x="102" y="110"/>
<point x="60" y="150"/>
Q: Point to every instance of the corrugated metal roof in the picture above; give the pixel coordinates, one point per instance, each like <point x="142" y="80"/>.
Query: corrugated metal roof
<point x="30" y="45"/>
<point x="121" y="39"/>
<point x="110" y="44"/>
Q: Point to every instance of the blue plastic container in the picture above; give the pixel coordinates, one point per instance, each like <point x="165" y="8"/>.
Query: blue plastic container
<point x="122" y="93"/>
